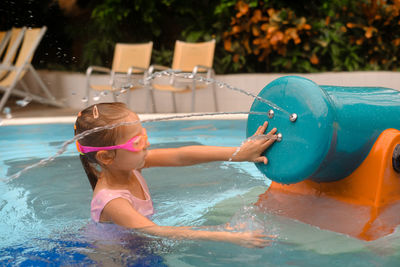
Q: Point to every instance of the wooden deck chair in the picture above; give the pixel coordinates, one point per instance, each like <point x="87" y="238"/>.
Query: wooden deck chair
<point x="129" y="61"/>
<point x="22" y="65"/>
<point x="196" y="58"/>
<point x="4" y="38"/>
<point x="12" y="40"/>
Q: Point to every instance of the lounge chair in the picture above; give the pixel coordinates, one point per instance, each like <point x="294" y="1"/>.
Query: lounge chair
<point x="22" y="65"/>
<point x="196" y="58"/>
<point x="4" y="38"/>
<point x="12" y="40"/>
<point x="129" y="61"/>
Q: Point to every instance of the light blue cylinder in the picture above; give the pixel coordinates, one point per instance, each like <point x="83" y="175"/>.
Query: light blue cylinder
<point x="335" y="129"/>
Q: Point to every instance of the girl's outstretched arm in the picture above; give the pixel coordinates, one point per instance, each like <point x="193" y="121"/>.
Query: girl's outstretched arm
<point x="189" y="155"/>
<point x="120" y="212"/>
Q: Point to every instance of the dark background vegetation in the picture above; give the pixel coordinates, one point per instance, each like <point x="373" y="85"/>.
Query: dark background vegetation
<point x="252" y="36"/>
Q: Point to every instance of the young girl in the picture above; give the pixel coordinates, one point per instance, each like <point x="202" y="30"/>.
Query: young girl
<point x="113" y="159"/>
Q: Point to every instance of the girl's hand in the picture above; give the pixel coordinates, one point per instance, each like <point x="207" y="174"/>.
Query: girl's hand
<point x="253" y="239"/>
<point x="252" y="149"/>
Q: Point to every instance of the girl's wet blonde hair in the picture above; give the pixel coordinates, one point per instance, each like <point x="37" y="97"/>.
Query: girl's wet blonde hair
<point x="99" y="115"/>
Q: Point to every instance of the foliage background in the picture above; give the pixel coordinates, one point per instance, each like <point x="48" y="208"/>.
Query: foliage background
<point x="251" y="35"/>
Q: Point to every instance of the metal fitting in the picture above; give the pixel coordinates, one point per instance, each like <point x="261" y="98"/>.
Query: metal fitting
<point x="293" y="117"/>
<point x="279" y="137"/>
<point x="271" y="113"/>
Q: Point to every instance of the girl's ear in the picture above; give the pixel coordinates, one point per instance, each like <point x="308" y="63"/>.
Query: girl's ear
<point x="105" y="157"/>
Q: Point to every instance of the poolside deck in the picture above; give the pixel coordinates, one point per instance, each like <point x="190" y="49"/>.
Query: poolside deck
<point x="37" y="110"/>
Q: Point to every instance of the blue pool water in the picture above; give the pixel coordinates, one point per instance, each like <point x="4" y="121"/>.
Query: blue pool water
<point x="45" y="218"/>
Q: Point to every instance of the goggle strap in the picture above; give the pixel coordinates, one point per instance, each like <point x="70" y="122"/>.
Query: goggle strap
<point x="78" y="147"/>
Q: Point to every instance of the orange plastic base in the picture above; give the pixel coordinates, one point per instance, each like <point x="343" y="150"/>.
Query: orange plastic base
<point x="365" y="205"/>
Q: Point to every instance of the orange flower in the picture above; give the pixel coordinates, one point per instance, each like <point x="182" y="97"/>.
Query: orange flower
<point x="396" y="42"/>
<point x="314" y="59"/>
<point x="235" y="58"/>
<point x="228" y="45"/>
<point x="264" y="27"/>
<point x="236" y="29"/>
<point x="257" y="16"/>
<point x="276" y="38"/>
<point x="257" y="41"/>
<point x="247" y="46"/>
<point x="369" y="31"/>
<point x="327" y="20"/>
<point x="271" y="29"/>
<point x="351" y="25"/>
<point x="243" y="9"/>
<point x="271" y="12"/>
<point x="255" y="30"/>
<point x="291" y="33"/>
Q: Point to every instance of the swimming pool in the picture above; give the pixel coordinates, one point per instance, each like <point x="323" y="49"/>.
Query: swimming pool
<point x="45" y="217"/>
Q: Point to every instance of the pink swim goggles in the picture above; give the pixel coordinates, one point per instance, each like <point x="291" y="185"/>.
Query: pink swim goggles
<point x="135" y="144"/>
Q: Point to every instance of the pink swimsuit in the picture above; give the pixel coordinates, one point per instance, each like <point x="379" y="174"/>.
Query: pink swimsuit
<point x="100" y="200"/>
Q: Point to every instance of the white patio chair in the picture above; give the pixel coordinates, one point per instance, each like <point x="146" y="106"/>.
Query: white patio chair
<point x="196" y="58"/>
<point x="129" y="60"/>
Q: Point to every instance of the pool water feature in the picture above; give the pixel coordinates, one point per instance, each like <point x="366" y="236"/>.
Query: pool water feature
<point x="45" y="213"/>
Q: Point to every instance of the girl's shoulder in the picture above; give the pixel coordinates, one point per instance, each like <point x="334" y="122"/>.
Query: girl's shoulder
<point x="103" y="192"/>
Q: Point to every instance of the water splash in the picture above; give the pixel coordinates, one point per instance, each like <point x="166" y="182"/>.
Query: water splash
<point x="210" y="81"/>
<point x="7" y="112"/>
<point x="254" y="137"/>
<point x="24" y="102"/>
<point x="123" y="82"/>
<point x="107" y="127"/>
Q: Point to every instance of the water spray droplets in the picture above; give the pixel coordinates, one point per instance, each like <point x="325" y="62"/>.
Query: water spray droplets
<point x="124" y="90"/>
<point x="7" y="112"/>
<point x="209" y="81"/>
<point x="96" y="97"/>
<point x="199" y="78"/>
<point x="24" y="102"/>
<point x="256" y="137"/>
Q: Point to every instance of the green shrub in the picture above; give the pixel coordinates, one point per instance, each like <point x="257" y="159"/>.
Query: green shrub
<point x="251" y="35"/>
<point x="335" y="36"/>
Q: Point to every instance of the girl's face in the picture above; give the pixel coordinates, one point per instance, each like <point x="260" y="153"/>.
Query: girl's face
<point x="125" y="159"/>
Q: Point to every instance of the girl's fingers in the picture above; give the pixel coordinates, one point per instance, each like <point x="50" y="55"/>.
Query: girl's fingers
<point x="259" y="235"/>
<point x="261" y="129"/>
<point x="258" y="130"/>
<point x="261" y="160"/>
<point x="267" y="144"/>
<point x="273" y="131"/>
<point x="272" y="137"/>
